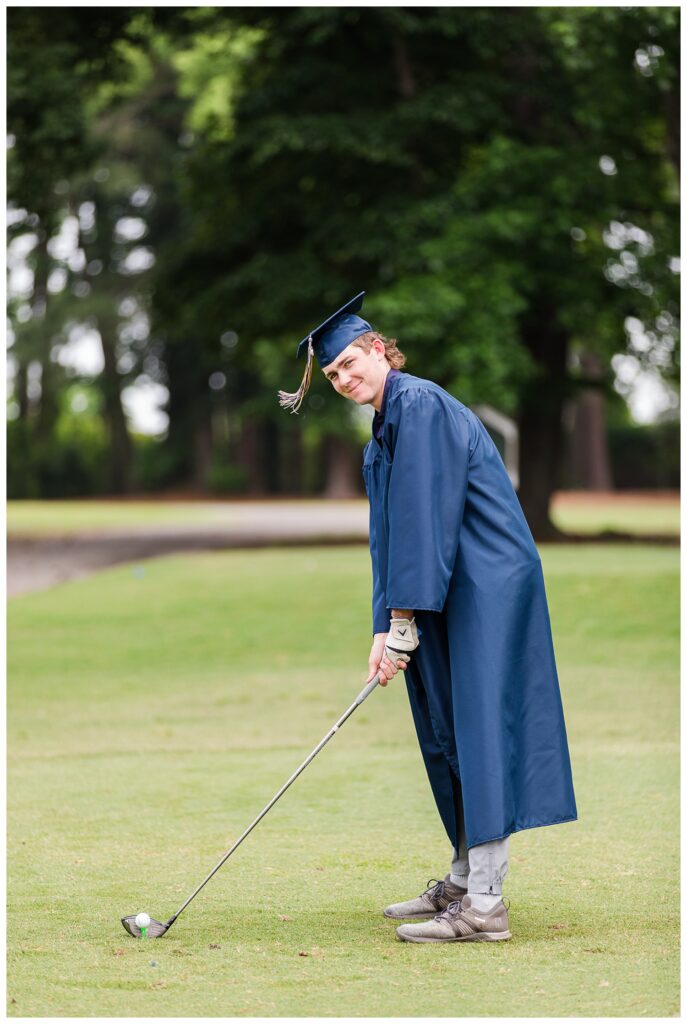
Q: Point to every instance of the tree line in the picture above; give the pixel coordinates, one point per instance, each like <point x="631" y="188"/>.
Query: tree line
<point x="197" y="187"/>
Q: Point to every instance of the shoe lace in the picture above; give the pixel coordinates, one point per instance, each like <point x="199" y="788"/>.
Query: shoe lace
<point x="435" y="888"/>
<point x="452" y="910"/>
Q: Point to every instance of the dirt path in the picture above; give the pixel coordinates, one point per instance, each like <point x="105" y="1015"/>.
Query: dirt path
<point x="36" y="563"/>
<point x="36" y="560"/>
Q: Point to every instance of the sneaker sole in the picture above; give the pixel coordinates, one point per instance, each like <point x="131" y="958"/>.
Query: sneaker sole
<point x="477" y="937"/>
<point x="411" y="917"/>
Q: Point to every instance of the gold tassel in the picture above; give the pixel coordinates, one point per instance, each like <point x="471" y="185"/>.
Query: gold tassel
<point x="293" y="401"/>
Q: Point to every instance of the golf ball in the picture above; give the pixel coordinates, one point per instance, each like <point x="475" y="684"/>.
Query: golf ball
<point x="142" y="920"/>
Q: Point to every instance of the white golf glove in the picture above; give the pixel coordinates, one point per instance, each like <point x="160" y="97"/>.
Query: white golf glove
<point x="401" y="640"/>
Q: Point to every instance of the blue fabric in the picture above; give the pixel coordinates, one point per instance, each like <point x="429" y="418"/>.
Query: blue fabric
<point x="378" y="420"/>
<point x="336" y="332"/>
<point x="448" y="539"/>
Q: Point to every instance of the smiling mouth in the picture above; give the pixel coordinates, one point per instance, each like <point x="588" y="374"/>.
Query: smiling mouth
<point x="355" y="388"/>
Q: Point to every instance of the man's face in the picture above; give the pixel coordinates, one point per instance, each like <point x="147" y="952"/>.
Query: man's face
<point x="359" y="375"/>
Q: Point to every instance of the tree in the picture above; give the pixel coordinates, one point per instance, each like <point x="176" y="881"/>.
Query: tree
<point x="462" y="164"/>
<point x="502" y="181"/>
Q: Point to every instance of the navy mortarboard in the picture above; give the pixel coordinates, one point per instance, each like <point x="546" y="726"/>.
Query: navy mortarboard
<point x="326" y="342"/>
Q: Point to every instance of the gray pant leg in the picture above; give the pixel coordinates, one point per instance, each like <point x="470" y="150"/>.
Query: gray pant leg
<point x="460" y="865"/>
<point x="488" y="867"/>
<point x="481" y="869"/>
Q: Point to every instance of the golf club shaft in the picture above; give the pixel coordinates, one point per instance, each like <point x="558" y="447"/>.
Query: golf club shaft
<point x="364" y="693"/>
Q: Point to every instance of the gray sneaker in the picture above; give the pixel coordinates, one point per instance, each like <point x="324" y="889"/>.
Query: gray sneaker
<point x="436" y="897"/>
<point x="460" y="923"/>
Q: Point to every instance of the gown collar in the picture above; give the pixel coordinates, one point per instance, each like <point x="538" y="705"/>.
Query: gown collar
<point x="378" y="421"/>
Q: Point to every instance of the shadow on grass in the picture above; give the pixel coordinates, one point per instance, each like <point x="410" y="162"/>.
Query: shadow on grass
<point x="556" y="536"/>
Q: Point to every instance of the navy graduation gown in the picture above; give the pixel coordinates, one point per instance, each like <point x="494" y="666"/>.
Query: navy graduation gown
<point x="448" y="539"/>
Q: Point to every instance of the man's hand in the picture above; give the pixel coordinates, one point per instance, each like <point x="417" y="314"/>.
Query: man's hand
<point x="390" y="651"/>
<point x="379" y="663"/>
<point x="401" y="640"/>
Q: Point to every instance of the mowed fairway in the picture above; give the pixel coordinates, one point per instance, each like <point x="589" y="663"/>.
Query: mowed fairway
<point x="153" y="711"/>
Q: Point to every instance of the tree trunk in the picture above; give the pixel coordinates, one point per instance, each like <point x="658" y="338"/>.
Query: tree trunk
<point x="203" y="450"/>
<point x="271" y="455"/>
<point x="120" y="442"/>
<point x="48" y="408"/>
<point x="405" y="79"/>
<point x="672" y="107"/>
<point x="248" y="456"/>
<point x="591" y="464"/>
<point x="291" y="476"/>
<point x="342" y="468"/>
<point x="19" y="388"/>
<point x="540" y="421"/>
<point x="185" y="442"/>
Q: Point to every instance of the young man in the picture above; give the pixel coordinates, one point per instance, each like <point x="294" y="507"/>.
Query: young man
<point x="459" y="604"/>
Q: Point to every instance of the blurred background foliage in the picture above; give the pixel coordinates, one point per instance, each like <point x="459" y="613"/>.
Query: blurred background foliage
<point x="192" y="189"/>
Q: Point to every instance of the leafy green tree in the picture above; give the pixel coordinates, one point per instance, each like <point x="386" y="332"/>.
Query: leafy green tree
<point x="54" y="57"/>
<point x="502" y="181"/>
<point x="464" y="165"/>
<point x="67" y="166"/>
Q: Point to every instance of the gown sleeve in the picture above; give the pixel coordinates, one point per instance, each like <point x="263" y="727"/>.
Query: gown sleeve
<point x="380" y="615"/>
<point x="427" y="488"/>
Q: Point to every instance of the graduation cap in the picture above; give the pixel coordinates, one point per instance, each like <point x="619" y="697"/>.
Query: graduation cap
<point x="326" y="342"/>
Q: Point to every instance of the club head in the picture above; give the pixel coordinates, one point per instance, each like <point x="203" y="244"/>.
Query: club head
<point x="154" y="930"/>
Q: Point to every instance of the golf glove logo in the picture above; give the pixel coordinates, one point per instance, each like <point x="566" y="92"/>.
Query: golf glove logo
<point x="401" y="640"/>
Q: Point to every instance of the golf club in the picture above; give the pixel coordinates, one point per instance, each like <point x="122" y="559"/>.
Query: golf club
<point x="155" y="929"/>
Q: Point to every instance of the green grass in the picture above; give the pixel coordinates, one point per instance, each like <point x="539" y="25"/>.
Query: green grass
<point x="45" y="518"/>
<point x="635" y="513"/>
<point x="151" y="717"/>
<point x="622" y="513"/>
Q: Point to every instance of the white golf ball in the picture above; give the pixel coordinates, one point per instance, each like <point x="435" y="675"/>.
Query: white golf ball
<point x="142" y="920"/>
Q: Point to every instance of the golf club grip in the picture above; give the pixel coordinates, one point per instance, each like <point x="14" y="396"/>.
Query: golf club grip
<point x="363" y="695"/>
<point x="366" y="691"/>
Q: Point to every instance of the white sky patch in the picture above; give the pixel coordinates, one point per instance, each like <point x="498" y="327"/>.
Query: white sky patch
<point x="34" y="375"/>
<point x="20" y="247"/>
<point x="83" y="352"/>
<point x="648" y="395"/>
<point x="63" y="244"/>
<point x="11" y="369"/>
<point x="137" y="327"/>
<point x="15" y="215"/>
<point x="607" y="165"/>
<point x="57" y="281"/>
<point x="87" y="215"/>
<point x="619" y="235"/>
<point x="141" y="196"/>
<point x="20" y="276"/>
<point x="138" y="260"/>
<point x="142" y="401"/>
<point x="130" y="229"/>
<point x="77" y="261"/>
<point x="20" y="282"/>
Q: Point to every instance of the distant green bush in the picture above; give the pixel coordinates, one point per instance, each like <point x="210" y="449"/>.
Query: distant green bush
<point x="226" y="478"/>
<point x="645" y="456"/>
<point x="70" y="462"/>
<point x="155" y="464"/>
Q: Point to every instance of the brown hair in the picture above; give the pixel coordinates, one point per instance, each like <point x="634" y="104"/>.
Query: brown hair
<point x="393" y="354"/>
